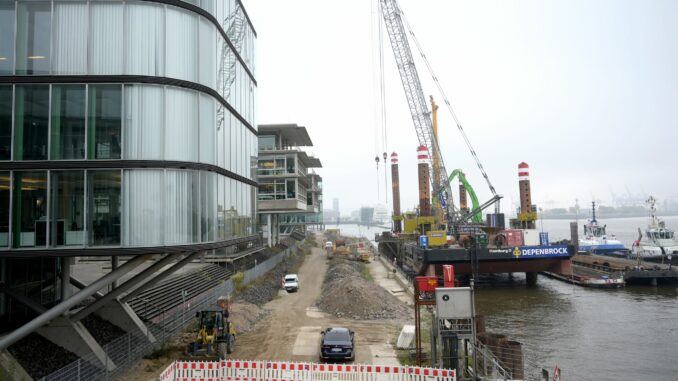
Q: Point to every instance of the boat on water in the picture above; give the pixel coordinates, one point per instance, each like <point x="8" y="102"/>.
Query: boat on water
<point x="658" y="244"/>
<point x="596" y="240"/>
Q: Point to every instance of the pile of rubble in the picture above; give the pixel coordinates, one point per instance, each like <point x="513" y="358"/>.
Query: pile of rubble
<point x="347" y="294"/>
<point x="266" y="288"/>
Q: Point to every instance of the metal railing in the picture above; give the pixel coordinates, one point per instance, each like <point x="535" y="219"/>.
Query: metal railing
<point x="125" y="351"/>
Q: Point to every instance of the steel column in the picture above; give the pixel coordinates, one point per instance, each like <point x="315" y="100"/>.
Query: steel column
<point x="142" y="276"/>
<point x="65" y="305"/>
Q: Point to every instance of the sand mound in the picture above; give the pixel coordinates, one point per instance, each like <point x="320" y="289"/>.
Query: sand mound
<point x="346" y="293"/>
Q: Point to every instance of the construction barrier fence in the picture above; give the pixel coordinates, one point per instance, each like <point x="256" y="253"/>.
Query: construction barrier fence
<point x="236" y="370"/>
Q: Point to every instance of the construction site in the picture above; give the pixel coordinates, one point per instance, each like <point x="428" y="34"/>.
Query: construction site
<point x="151" y="229"/>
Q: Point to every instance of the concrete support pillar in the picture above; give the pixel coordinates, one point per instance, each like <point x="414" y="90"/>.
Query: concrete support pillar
<point x="77" y="339"/>
<point x="65" y="278"/>
<point x="114" y="265"/>
<point x="531" y="278"/>
<point x="123" y="316"/>
<point x="269" y="232"/>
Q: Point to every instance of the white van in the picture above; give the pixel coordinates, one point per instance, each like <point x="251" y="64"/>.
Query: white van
<point x="328" y="245"/>
<point x="291" y="283"/>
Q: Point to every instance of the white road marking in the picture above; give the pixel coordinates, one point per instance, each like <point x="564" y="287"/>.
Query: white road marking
<point x="383" y="354"/>
<point x="307" y="341"/>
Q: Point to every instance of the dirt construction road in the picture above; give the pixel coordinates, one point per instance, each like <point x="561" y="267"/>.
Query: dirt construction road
<point x="291" y="332"/>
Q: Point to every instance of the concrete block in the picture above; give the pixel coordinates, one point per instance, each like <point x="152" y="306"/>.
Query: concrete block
<point x="123" y="316"/>
<point x="77" y="339"/>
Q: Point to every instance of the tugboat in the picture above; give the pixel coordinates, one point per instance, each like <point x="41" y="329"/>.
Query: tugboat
<point x="658" y="244"/>
<point x="596" y="241"/>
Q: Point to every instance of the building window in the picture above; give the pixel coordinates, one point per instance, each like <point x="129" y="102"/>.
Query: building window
<point x="5" y="122"/>
<point x="266" y="142"/>
<point x="143" y="204"/>
<point x="4" y="209"/>
<point x="68" y="122"/>
<point x="7" y="37"/>
<point x="70" y="38"/>
<point x="31" y="122"/>
<point x="106" y="38"/>
<point x="104" y="207"/>
<point x="105" y="120"/>
<point x="291" y="189"/>
<point x="67" y="200"/>
<point x="33" y="37"/>
<point x="144" y="117"/>
<point x="30" y="209"/>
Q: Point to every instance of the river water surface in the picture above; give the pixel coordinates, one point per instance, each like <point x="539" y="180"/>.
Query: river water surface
<point x="625" y="334"/>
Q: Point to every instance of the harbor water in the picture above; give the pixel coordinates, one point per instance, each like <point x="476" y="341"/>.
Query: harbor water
<point x="591" y="334"/>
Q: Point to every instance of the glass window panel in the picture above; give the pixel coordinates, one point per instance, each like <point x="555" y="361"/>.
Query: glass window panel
<point x="33" y="37"/>
<point x="208" y="51"/>
<point x="181" y="207"/>
<point x="144" y="113"/>
<point x="208" y="129"/>
<point x="4" y="209"/>
<point x="70" y="38"/>
<point x="105" y="119"/>
<point x="181" y="138"/>
<point x="31" y="122"/>
<point x="266" y="142"/>
<point x="143" y="200"/>
<point x="145" y="39"/>
<point x="181" y="44"/>
<point x="104" y="207"/>
<point x="68" y="122"/>
<point x="7" y="17"/>
<point x="67" y="200"/>
<point x="207" y="201"/>
<point x="5" y="122"/>
<point x="221" y="215"/>
<point x="30" y="209"/>
<point x="106" y="38"/>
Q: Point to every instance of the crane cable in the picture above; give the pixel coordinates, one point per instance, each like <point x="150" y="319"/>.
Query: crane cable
<point x="382" y="95"/>
<point x="377" y="128"/>
<point x="448" y="104"/>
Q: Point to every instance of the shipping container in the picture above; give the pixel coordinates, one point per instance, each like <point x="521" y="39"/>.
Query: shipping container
<point x="514" y="237"/>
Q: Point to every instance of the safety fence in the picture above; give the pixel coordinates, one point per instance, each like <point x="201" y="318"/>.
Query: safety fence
<point x="126" y="350"/>
<point x="259" y="370"/>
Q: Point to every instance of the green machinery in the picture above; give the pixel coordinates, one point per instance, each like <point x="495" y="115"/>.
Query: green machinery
<point x="476" y="210"/>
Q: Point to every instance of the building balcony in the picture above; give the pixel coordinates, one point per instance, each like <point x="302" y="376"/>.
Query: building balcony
<point x="287" y="205"/>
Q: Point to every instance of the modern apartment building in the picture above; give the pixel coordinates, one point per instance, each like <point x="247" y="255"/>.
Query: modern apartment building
<point x="290" y="192"/>
<point x="127" y="128"/>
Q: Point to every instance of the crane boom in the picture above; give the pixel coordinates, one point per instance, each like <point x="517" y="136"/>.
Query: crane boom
<point x="416" y="101"/>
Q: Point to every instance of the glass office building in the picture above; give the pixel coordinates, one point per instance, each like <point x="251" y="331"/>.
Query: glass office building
<point x="126" y="127"/>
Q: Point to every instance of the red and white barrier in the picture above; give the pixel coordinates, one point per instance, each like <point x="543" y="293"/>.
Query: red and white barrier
<point x="249" y="370"/>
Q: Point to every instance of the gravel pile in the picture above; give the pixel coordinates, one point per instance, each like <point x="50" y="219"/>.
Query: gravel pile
<point x="347" y="294"/>
<point x="39" y="356"/>
<point x="103" y="331"/>
<point x="266" y="288"/>
<point x="244" y="315"/>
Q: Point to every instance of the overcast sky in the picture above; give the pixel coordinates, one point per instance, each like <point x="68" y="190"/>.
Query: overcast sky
<point x="586" y="92"/>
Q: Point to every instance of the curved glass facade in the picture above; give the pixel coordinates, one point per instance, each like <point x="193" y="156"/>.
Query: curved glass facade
<point x="122" y="208"/>
<point x="121" y="121"/>
<point x="132" y="38"/>
<point x="78" y="123"/>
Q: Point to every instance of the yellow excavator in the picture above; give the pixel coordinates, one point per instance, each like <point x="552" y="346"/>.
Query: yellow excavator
<point x="216" y="335"/>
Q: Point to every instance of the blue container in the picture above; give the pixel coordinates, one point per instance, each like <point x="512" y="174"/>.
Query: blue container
<point x="423" y="241"/>
<point x="544" y="238"/>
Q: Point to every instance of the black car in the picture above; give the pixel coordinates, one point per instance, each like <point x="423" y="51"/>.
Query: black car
<point x="337" y="344"/>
